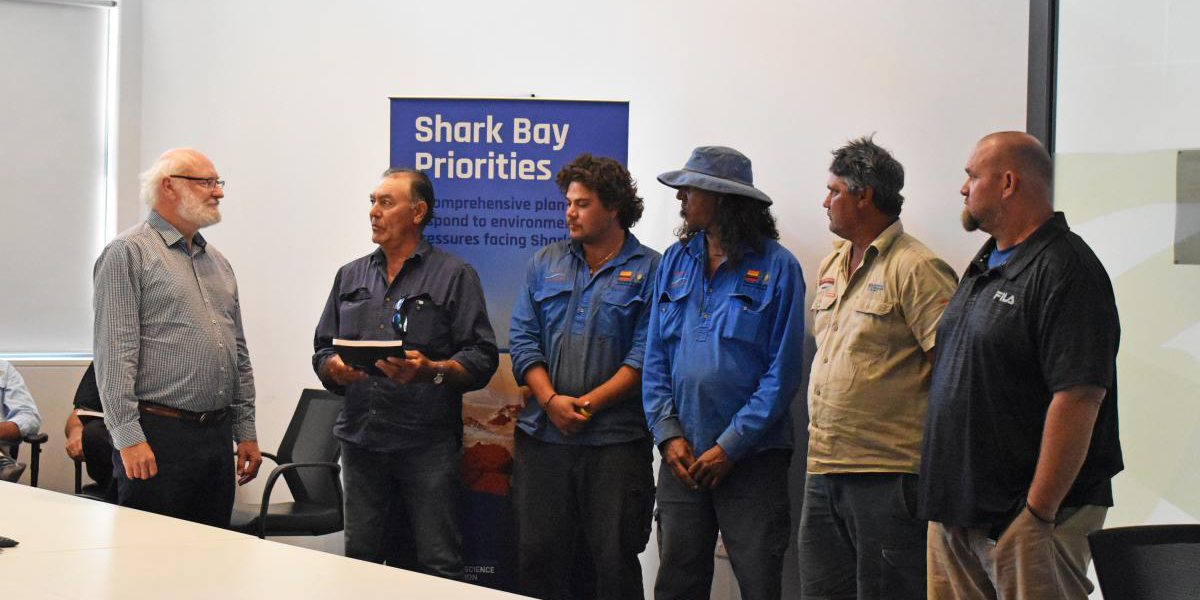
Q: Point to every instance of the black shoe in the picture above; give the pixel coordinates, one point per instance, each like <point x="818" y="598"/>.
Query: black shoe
<point x="10" y="470"/>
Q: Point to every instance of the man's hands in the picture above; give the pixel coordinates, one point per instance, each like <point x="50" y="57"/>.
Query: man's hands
<point x="139" y="461"/>
<point x="711" y="468"/>
<point x="568" y="413"/>
<point x="677" y="453"/>
<point x="75" y="447"/>
<point x="413" y="367"/>
<point x="248" y="461"/>
<point x="74" y="438"/>
<point x="340" y="372"/>
<point x="706" y="472"/>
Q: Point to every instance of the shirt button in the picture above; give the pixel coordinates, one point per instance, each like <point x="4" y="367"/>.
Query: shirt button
<point x="581" y="311"/>
<point x="818" y="392"/>
<point x="381" y="325"/>
<point x="825" y="360"/>
<point x="221" y="344"/>
<point x="387" y="299"/>
<point x="222" y="368"/>
<point x="214" y="321"/>
<point x="222" y="392"/>
<point x="704" y="315"/>
<point x="835" y="327"/>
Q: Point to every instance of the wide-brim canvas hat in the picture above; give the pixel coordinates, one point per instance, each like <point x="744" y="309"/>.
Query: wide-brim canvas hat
<point x="716" y="169"/>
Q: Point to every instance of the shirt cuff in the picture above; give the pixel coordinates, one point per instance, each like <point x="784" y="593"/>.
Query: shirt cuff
<point x="734" y="445"/>
<point x="244" y="432"/>
<point x="633" y="363"/>
<point x="129" y="434"/>
<point x="666" y="429"/>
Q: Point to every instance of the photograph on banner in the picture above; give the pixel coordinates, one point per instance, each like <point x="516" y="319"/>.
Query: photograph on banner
<point x="492" y="163"/>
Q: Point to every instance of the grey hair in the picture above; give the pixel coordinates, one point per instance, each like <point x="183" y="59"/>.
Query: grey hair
<point x="862" y="163"/>
<point x="151" y="178"/>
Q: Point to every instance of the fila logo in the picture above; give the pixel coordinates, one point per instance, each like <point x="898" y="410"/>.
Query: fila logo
<point x="1005" y="298"/>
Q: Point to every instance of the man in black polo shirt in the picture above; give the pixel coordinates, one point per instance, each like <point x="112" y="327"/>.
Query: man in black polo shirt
<point x="1021" y="435"/>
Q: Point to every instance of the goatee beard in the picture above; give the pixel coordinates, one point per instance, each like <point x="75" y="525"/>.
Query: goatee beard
<point x="969" y="222"/>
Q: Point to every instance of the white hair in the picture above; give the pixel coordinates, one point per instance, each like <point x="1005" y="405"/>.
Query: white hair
<point x="151" y="179"/>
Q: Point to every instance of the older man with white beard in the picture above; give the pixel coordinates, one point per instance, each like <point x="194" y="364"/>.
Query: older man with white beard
<point x="171" y="360"/>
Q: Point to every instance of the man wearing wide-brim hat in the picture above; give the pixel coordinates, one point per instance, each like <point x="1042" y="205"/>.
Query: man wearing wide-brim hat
<point x="722" y="365"/>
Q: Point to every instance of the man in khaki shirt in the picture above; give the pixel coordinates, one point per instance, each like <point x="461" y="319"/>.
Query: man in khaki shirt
<point x="879" y="296"/>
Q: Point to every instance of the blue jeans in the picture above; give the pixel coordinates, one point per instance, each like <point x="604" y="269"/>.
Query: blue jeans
<point x="750" y="509"/>
<point x="409" y="498"/>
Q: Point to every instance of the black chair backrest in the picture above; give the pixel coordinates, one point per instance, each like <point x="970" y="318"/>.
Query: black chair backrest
<point x="309" y="438"/>
<point x="1151" y="561"/>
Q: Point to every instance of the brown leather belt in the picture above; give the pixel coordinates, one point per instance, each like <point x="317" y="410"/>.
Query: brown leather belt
<point x="211" y="416"/>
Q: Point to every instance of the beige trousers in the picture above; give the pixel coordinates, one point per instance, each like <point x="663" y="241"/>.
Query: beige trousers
<point x="1032" y="560"/>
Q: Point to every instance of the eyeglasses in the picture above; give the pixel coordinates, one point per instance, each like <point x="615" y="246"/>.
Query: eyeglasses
<point x="207" y="183"/>
<point x="400" y="318"/>
<point x="403" y="307"/>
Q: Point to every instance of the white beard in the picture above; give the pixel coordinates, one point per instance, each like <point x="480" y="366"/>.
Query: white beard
<point x="196" y="211"/>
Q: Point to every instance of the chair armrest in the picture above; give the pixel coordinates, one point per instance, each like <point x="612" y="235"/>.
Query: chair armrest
<point x="264" y="455"/>
<point x="35" y="442"/>
<point x="36" y="438"/>
<point x="334" y="470"/>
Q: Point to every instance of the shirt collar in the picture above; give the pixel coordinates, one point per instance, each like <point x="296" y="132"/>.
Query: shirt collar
<point x="631" y="248"/>
<point x="420" y="253"/>
<point x="169" y="234"/>
<point x="881" y="243"/>
<point x="1026" y="252"/>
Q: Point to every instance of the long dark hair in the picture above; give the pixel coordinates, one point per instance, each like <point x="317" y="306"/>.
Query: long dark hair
<point x="742" y="224"/>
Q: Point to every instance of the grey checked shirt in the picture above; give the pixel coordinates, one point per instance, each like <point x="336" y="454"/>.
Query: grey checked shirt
<point x="168" y="330"/>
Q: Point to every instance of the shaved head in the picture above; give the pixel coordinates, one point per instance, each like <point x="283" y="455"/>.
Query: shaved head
<point x="1022" y="154"/>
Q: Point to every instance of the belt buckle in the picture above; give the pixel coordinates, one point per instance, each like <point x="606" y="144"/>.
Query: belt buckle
<point x="204" y="417"/>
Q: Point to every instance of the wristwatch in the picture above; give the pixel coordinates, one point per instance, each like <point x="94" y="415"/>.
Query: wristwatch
<point x="439" y="377"/>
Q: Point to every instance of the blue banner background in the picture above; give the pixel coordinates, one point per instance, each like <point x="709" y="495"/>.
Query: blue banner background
<point x="499" y="240"/>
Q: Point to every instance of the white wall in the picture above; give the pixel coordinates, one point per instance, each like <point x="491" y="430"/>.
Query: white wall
<point x="290" y="101"/>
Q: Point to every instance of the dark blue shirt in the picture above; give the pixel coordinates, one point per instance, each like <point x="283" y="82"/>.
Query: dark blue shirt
<point x="723" y="354"/>
<point x="583" y="328"/>
<point x="452" y="323"/>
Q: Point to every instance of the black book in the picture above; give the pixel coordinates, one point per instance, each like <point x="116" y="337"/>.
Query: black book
<point x="362" y="354"/>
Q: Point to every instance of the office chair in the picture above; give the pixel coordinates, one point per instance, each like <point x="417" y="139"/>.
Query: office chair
<point x="35" y="442"/>
<point x="1159" y="562"/>
<point x="93" y="490"/>
<point x="307" y="461"/>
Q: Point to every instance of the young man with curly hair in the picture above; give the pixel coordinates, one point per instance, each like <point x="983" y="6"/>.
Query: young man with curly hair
<point x="583" y="485"/>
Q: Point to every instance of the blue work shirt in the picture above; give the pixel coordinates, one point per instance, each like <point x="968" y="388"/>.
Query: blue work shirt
<point x="583" y="328"/>
<point x="723" y="354"/>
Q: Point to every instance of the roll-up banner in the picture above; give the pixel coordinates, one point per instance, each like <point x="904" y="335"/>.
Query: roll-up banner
<point x="493" y="162"/>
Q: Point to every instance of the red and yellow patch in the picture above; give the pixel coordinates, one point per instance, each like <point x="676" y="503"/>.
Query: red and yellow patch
<point x="751" y="276"/>
<point x="625" y="276"/>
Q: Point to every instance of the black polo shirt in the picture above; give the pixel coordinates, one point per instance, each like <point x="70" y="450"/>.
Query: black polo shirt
<point x="1012" y="336"/>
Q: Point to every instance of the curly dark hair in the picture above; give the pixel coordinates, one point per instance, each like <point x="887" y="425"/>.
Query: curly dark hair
<point x="743" y="223"/>
<point x="610" y="180"/>
<point x="862" y="163"/>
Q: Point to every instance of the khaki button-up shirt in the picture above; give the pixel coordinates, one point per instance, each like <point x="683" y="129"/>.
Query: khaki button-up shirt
<point x="869" y="387"/>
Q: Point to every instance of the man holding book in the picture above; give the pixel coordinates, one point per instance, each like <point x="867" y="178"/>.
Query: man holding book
<point x="401" y="425"/>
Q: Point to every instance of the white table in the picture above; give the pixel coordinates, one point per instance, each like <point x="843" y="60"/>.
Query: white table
<point x="76" y="548"/>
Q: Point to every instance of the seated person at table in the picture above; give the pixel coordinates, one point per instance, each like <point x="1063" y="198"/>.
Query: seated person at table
<point x="18" y="418"/>
<point x="88" y="440"/>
